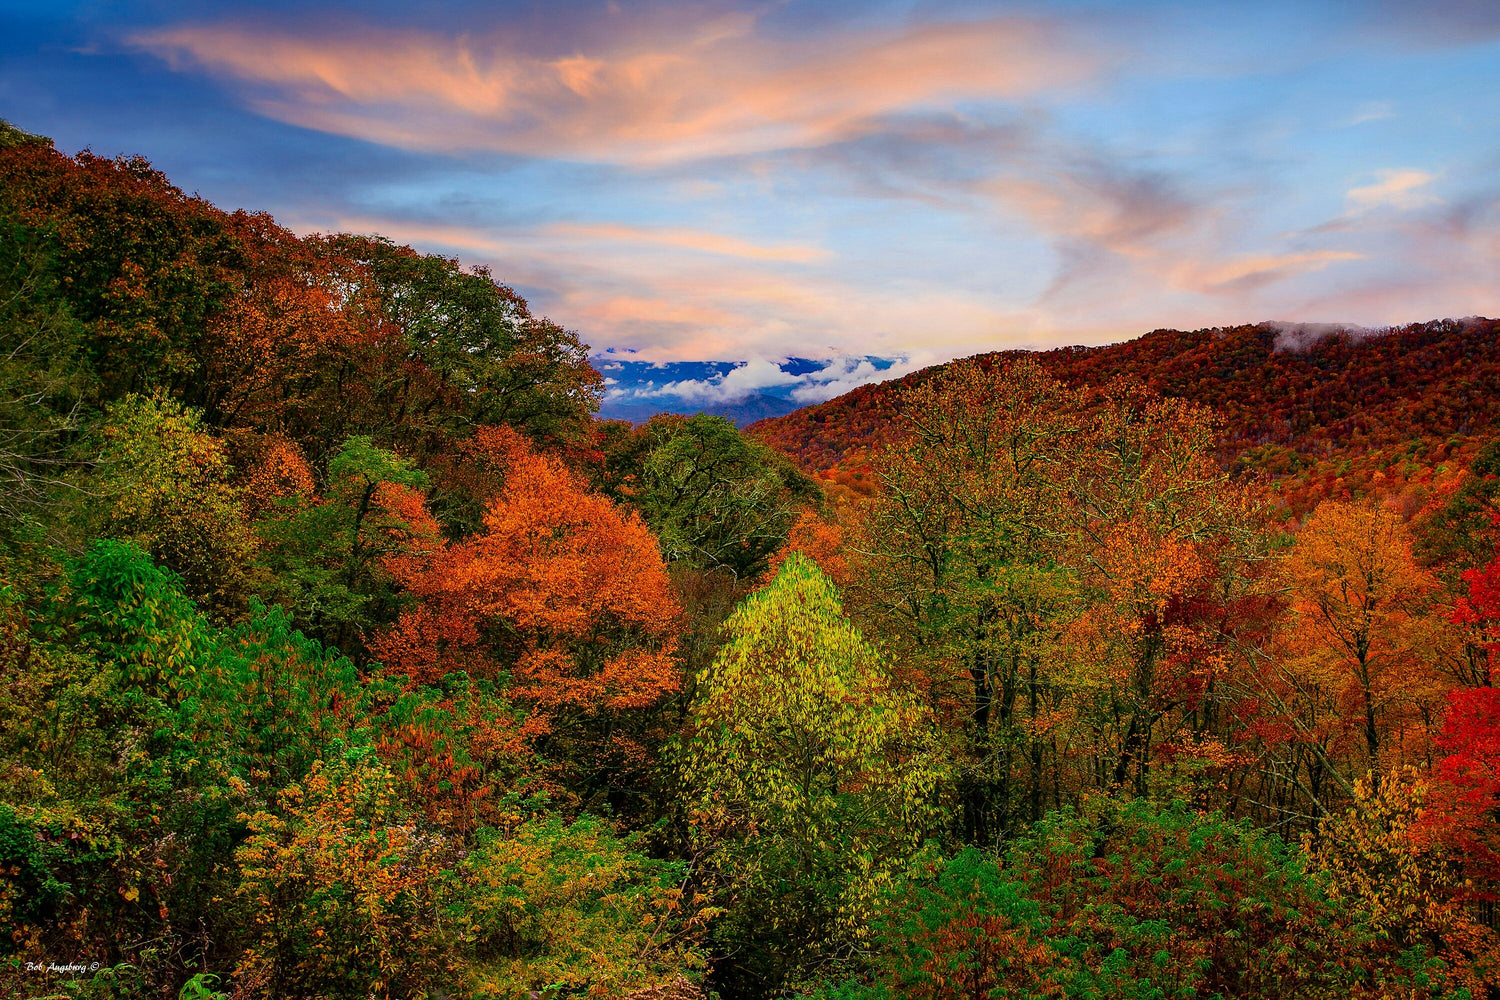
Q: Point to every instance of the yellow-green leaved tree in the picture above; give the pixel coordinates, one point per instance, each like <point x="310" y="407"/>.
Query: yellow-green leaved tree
<point x="813" y="779"/>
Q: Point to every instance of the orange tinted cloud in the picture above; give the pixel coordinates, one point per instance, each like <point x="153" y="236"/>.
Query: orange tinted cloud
<point x="689" y="239"/>
<point x="714" y="88"/>
<point x="1400" y="189"/>
<point x="1247" y="273"/>
<point x="576" y="236"/>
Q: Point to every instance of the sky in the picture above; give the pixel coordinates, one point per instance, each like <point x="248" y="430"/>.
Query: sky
<point x="862" y="188"/>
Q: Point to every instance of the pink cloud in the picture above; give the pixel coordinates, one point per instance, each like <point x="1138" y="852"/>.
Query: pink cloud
<point x="688" y="239"/>
<point x="714" y="87"/>
<point x="1253" y="271"/>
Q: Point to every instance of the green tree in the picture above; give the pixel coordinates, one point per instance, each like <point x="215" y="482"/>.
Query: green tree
<point x="325" y="555"/>
<point x="967" y="566"/>
<point x="1169" y="563"/>
<point x="266" y="700"/>
<point x="131" y="812"/>
<point x="719" y="500"/>
<point x="471" y="353"/>
<point x="44" y="382"/>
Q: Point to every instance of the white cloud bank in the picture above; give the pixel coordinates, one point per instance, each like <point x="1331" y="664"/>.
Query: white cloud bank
<point x="761" y="375"/>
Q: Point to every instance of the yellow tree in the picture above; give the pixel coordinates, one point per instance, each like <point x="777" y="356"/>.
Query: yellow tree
<point x="1410" y="892"/>
<point x="165" y="484"/>
<point x="1366" y="635"/>
<point x="812" y="777"/>
<point x="569" y="909"/>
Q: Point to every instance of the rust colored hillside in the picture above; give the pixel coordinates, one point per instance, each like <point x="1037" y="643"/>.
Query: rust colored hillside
<point x="1287" y="396"/>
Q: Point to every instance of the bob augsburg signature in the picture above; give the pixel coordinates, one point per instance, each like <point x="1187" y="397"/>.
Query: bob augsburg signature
<point x="64" y="968"/>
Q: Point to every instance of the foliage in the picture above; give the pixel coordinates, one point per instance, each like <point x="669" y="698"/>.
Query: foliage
<point x="1365" y="634"/>
<point x="463" y="754"/>
<point x="130" y="816"/>
<point x="565" y="596"/>
<point x="1132" y="903"/>
<point x="812" y="772"/>
<point x="1337" y="396"/>
<point x="133" y="616"/>
<point x="41" y="380"/>
<point x="966" y="566"/>
<point x="1070" y="567"/>
<point x="1380" y="855"/>
<point x="484" y="358"/>
<point x="568" y="909"/>
<point x="343" y="654"/>
<point x="717" y="499"/>
<point x="165" y="485"/>
<point x="271" y="699"/>
<point x="340" y="891"/>
<point x="1478" y="613"/>
<point x="327" y="554"/>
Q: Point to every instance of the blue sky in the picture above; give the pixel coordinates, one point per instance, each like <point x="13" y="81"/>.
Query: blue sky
<point x="838" y="181"/>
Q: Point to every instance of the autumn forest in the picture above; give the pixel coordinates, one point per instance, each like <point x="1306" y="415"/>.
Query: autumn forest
<point x="345" y="653"/>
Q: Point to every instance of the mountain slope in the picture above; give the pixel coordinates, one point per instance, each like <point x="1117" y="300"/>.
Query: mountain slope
<point x="1278" y="388"/>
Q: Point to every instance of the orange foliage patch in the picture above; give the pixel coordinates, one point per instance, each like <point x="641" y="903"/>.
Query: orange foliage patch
<point x="562" y="588"/>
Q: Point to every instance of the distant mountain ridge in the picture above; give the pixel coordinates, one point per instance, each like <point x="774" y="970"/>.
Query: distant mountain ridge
<point x="743" y="391"/>
<point x="741" y="412"/>
<point x="1309" y="389"/>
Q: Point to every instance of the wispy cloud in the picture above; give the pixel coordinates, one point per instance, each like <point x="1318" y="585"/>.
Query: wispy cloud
<point x="1371" y="111"/>
<point x="714" y="86"/>
<point x="1399" y="189"/>
<point x="1256" y="271"/>
<point x="687" y="239"/>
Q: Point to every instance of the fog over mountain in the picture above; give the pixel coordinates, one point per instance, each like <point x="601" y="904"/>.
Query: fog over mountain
<point x="743" y="391"/>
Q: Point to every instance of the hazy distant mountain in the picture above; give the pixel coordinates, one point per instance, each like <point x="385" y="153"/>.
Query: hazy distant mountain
<point x="743" y="391"/>
<point x="743" y="412"/>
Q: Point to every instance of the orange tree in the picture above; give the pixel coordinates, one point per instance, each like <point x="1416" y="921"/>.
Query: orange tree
<point x="1166" y="555"/>
<point x="566" y="595"/>
<point x="1366" y="638"/>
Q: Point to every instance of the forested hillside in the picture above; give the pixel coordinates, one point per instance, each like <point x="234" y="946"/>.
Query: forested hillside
<point x="1288" y="398"/>
<point x="345" y="653"/>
